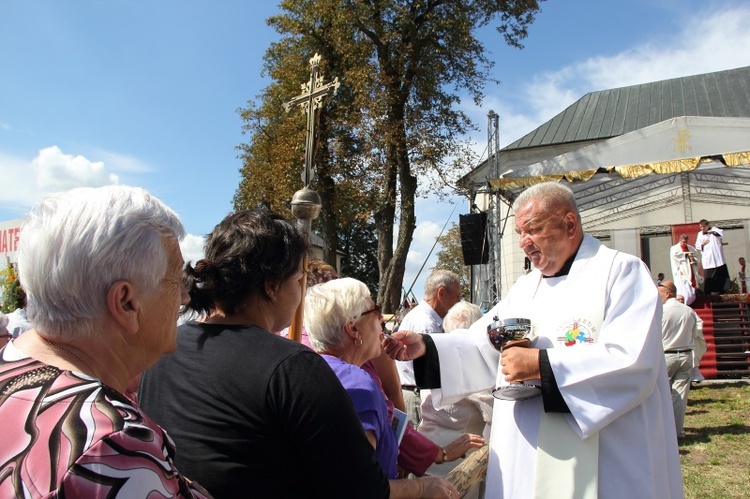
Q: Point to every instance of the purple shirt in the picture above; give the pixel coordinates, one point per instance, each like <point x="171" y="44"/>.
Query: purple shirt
<point x="370" y="405"/>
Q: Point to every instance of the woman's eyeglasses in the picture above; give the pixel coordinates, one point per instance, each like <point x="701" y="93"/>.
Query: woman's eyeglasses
<point x="374" y="309"/>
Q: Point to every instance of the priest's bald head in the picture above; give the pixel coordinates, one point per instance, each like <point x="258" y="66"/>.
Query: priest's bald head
<point x="549" y="224"/>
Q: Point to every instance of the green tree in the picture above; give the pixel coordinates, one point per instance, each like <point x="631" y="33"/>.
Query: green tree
<point x="357" y="240"/>
<point x="450" y="257"/>
<point x="403" y="66"/>
<point x="13" y="295"/>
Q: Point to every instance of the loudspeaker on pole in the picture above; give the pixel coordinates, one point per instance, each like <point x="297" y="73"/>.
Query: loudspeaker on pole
<point x="474" y="244"/>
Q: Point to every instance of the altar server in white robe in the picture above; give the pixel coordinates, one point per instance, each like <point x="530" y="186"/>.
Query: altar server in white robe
<point x="603" y="426"/>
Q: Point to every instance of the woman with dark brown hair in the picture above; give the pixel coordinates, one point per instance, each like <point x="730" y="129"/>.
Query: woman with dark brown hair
<point x="254" y="414"/>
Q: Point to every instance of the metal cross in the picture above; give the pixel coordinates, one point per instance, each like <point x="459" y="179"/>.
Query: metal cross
<point x="310" y="100"/>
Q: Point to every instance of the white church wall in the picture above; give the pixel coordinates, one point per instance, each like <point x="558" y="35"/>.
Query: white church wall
<point x="659" y="255"/>
<point x="667" y="215"/>
<point x="627" y="241"/>
<point x="735" y="246"/>
<point x="513" y="257"/>
<point x="718" y="211"/>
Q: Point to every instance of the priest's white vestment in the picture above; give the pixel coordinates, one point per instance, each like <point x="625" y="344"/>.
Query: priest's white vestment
<point x="601" y="326"/>
<point x="684" y="271"/>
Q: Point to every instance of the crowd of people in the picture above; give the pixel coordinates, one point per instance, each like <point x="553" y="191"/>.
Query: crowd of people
<point x="105" y="395"/>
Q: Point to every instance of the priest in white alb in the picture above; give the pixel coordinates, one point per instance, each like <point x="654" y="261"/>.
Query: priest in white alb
<point x="682" y="258"/>
<point x="603" y="424"/>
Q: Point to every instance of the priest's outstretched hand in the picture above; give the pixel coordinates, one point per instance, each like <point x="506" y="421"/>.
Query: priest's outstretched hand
<point x="404" y="345"/>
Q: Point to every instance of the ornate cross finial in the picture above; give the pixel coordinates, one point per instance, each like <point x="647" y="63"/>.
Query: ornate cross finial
<point x="310" y="100"/>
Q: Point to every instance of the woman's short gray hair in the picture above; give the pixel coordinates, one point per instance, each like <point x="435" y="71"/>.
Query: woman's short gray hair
<point x="329" y="306"/>
<point x="78" y="243"/>
<point x="461" y="316"/>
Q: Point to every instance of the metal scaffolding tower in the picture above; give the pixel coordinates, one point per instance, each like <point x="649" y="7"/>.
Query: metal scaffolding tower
<point x="494" y="216"/>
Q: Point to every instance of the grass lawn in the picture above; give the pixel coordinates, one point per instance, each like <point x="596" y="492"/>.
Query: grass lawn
<point x="715" y="452"/>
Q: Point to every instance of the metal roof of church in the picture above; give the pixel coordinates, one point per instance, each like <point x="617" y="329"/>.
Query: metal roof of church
<point x="609" y="113"/>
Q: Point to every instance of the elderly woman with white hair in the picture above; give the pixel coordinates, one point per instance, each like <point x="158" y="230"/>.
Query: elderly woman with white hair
<point x="101" y="269"/>
<point x="344" y="326"/>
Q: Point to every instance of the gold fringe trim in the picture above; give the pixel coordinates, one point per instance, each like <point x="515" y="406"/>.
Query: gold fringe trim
<point x="626" y="171"/>
<point x="737" y="158"/>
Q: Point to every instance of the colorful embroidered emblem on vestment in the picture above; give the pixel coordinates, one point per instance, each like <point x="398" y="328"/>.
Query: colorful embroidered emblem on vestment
<point x="577" y="331"/>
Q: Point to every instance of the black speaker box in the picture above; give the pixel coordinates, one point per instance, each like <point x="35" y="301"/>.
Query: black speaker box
<point x="474" y="244"/>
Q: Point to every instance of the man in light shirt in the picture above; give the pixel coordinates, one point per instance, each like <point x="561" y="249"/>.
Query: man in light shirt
<point x="680" y="337"/>
<point x="441" y="291"/>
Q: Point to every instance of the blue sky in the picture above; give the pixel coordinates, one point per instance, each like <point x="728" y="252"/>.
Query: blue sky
<point x="146" y="93"/>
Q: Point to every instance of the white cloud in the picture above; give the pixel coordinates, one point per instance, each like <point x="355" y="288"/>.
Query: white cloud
<point x="425" y="236"/>
<point x="709" y="41"/>
<point x="50" y="171"/>
<point x="426" y="232"/>
<point x="192" y="248"/>
<point x="122" y="162"/>
<point x="55" y="171"/>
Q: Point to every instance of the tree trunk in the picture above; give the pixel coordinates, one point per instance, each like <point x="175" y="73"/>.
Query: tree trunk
<point x="384" y="218"/>
<point x="407" y="223"/>
<point x="392" y="272"/>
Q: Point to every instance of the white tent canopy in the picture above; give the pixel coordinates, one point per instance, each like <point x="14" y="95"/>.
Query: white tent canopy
<point x="672" y="146"/>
